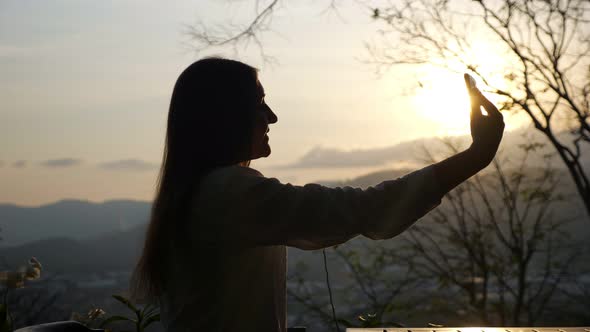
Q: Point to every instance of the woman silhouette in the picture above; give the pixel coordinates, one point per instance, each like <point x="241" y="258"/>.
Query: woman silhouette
<point x="214" y="257"/>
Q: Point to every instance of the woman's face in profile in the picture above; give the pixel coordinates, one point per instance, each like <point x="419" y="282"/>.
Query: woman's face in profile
<point x="263" y="116"/>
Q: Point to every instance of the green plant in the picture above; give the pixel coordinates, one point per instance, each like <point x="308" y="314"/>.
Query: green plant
<point x="143" y="317"/>
<point x="12" y="280"/>
<point x="90" y="319"/>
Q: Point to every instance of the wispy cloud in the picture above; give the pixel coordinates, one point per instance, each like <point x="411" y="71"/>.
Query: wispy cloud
<point x="319" y="157"/>
<point x="19" y="164"/>
<point x="128" y="165"/>
<point x="63" y="162"/>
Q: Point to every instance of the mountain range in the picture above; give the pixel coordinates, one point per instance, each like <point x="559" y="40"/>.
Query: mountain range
<point x="82" y="236"/>
<point x="74" y="219"/>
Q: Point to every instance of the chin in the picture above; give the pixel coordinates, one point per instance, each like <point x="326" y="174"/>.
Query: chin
<point x="263" y="153"/>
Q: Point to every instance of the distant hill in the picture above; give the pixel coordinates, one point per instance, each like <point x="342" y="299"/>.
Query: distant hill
<point x="571" y="209"/>
<point x="411" y="154"/>
<point x="116" y="248"/>
<point x="115" y="251"/>
<point x="75" y="235"/>
<point x="72" y="219"/>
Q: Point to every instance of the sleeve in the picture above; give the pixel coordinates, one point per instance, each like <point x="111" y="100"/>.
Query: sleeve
<point x="248" y="208"/>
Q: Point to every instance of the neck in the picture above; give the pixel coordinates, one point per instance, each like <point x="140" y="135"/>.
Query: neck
<point x="244" y="163"/>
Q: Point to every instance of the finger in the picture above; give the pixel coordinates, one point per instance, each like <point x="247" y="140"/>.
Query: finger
<point x="469" y="82"/>
<point x="489" y="106"/>
<point x="470" y="85"/>
<point x="473" y="97"/>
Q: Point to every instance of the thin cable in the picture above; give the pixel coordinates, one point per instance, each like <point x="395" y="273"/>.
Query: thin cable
<point x="330" y="290"/>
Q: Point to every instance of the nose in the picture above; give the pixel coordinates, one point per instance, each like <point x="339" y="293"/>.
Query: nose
<point x="272" y="117"/>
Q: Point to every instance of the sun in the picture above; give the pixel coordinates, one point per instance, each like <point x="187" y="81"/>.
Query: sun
<point x="443" y="99"/>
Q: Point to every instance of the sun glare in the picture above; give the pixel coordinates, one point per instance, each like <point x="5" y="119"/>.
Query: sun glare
<point x="442" y="98"/>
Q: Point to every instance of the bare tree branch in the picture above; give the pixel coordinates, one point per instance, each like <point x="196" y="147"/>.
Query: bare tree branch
<point x="239" y="37"/>
<point x="547" y="40"/>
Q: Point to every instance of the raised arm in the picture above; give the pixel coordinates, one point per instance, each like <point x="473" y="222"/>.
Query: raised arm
<point x="486" y="132"/>
<point x="237" y="205"/>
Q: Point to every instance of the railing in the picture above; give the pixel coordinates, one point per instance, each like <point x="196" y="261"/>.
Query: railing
<point x="472" y="329"/>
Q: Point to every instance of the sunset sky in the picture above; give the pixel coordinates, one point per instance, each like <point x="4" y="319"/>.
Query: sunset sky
<point x="85" y="87"/>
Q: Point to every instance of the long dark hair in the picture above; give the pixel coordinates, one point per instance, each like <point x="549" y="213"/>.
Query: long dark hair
<point x="209" y="125"/>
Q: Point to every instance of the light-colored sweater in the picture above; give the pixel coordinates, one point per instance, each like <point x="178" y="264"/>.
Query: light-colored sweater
<point x="232" y="277"/>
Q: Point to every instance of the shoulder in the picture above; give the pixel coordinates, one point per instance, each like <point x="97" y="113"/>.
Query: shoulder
<point x="228" y="177"/>
<point x="232" y="171"/>
<point x="224" y="184"/>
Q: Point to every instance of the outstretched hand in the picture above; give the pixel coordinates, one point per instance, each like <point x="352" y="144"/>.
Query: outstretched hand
<point x="486" y="131"/>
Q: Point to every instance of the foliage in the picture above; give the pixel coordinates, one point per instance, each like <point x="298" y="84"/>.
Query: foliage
<point x="16" y="279"/>
<point x="90" y="319"/>
<point x="12" y="280"/>
<point x="143" y="316"/>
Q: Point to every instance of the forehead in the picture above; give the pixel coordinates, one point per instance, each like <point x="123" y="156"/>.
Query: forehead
<point x="259" y="87"/>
